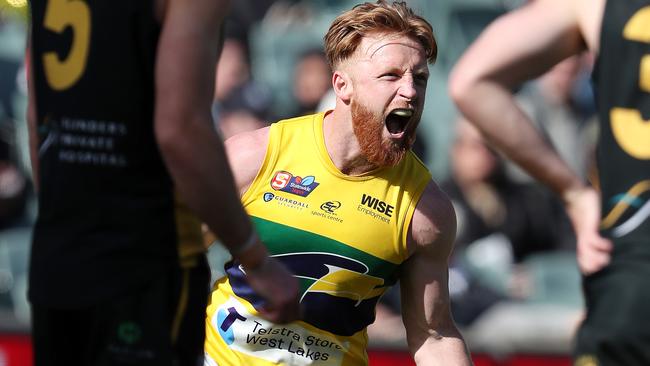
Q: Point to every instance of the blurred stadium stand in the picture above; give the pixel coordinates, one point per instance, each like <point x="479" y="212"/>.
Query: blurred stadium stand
<point x="15" y="349"/>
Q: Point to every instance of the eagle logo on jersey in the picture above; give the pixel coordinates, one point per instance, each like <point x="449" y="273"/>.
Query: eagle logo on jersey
<point x="338" y="294"/>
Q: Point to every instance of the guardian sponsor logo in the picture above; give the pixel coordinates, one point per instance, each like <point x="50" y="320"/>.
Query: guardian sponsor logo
<point x="283" y="201"/>
<point x="374" y="207"/>
<point x="287" y="182"/>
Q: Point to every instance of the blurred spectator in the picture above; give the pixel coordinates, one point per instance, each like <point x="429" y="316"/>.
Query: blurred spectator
<point x="13" y="184"/>
<point x="312" y="79"/>
<point x="244" y="14"/>
<point x="240" y="104"/>
<point x="233" y="68"/>
<point x="8" y="71"/>
<point x="246" y="109"/>
<point x="13" y="180"/>
<point x="500" y="224"/>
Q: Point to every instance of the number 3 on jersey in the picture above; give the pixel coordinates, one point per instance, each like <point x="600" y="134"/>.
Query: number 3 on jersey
<point x="630" y="130"/>
<point x="62" y="73"/>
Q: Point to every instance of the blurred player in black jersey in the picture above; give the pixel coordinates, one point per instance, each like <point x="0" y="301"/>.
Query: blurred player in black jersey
<point x="124" y="156"/>
<point x="613" y="225"/>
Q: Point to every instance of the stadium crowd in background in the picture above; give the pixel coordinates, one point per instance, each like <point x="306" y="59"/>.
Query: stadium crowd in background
<point x="501" y="223"/>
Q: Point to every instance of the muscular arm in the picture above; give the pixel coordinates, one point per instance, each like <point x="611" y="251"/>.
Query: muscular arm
<point x="546" y="32"/>
<point x="196" y="157"/>
<point x="192" y="150"/>
<point x="432" y="336"/>
<point x="245" y="154"/>
<point x="517" y="47"/>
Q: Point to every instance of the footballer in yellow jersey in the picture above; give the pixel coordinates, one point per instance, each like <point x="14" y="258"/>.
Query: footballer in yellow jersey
<point x="343" y="236"/>
<point x="340" y="199"/>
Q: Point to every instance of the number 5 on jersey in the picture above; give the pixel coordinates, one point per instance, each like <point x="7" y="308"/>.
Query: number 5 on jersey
<point x="630" y="130"/>
<point x="63" y="71"/>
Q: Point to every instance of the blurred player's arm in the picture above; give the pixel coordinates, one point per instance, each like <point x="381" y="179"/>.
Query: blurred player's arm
<point x="192" y="150"/>
<point x="500" y="60"/>
<point x="246" y="152"/>
<point x="187" y="52"/>
<point x="520" y="46"/>
<point x="432" y="336"/>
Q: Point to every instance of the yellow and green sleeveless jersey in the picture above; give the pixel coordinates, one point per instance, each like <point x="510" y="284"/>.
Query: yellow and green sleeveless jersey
<point x="343" y="237"/>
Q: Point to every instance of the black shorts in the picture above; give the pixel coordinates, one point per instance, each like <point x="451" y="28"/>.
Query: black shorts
<point x="161" y="323"/>
<point x="616" y="330"/>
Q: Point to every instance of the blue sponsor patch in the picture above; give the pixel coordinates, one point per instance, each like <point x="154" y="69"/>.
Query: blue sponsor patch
<point x="226" y="334"/>
<point x="268" y="196"/>
<point x="308" y="180"/>
<point x="287" y="182"/>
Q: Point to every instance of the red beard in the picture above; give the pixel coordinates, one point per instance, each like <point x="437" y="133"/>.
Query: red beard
<point x="368" y="129"/>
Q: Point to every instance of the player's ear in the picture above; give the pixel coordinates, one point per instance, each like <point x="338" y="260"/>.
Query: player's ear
<point x="342" y="85"/>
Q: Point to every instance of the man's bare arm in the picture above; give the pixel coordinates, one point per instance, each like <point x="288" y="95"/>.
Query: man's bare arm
<point x="191" y="148"/>
<point x="432" y="336"/>
<point x="246" y="152"/>
<point x="194" y="153"/>
<point x="483" y="89"/>
<point x="517" y="47"/>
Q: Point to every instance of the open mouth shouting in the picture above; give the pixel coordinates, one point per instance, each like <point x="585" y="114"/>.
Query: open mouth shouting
<point x="397" y="121"/>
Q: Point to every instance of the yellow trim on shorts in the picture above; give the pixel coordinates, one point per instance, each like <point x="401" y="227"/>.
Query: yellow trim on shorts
<point x="182" y="306"/>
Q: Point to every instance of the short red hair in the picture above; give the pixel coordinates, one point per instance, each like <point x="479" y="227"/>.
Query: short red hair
<point x="347" y="30"/>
